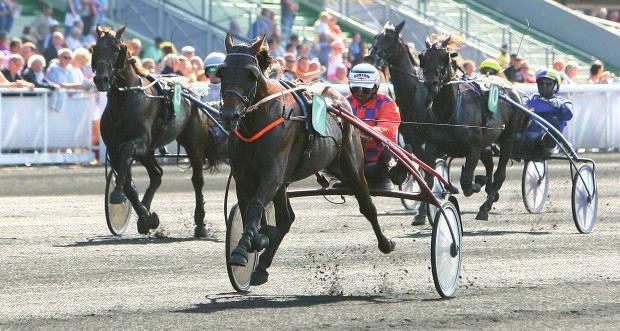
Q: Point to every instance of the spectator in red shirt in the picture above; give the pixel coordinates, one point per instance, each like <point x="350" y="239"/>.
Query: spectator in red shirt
<point x="381" y="113"/>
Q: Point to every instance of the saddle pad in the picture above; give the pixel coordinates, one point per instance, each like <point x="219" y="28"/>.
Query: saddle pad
<point x="319" y="115"/>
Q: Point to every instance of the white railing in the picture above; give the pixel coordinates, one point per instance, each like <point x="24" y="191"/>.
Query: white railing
<point x="39" y="126"/>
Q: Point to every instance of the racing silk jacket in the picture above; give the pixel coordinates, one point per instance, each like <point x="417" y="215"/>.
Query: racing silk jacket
<point x="555" y="110"/>
<point x="379" y="108"/>
<point x="213" y="93"/>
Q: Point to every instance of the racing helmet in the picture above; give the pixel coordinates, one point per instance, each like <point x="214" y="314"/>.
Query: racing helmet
<point x="550" y="74"/>
<point x="212" y="61"/>
<point x="363" y="75"/>
<point x="490" y="64"/>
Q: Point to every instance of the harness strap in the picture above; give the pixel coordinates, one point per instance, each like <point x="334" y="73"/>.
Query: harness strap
<point x="273" y="96"/>
<point x="260" y="133"/>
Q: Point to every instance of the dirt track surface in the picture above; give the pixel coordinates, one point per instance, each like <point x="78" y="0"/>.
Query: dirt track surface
<point x="62" y="270"/>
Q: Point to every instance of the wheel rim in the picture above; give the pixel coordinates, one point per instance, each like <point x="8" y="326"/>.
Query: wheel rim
<point x="410" y="186"/>
<point x="446" y="268"/>
<point x="240" y="276"/>
<point x="585" y="199"/>
<point x="535" y="185"/>
<point x="117" y="215"/>
<point x="437" y="189"/>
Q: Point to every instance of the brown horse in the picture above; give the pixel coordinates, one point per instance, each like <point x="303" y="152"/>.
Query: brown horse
<point x="135" y="122"/>
<point x="264" y="168"/>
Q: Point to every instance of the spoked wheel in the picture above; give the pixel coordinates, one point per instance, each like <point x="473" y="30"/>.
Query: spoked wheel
<point x="535" y="185"/>
<point x="438" y="190"/>
<point x="116" y="215"/>
<point x="584" y="199"/>
<point x="446" y="250"/>
<point x="410" y="186"/>
<point x="239" y="276"/>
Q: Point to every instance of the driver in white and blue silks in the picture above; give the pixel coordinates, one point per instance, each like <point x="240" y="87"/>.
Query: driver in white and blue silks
<point x="546" y="104"/>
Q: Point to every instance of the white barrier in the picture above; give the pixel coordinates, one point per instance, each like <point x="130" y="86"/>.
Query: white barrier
<point x="39" y="126"/>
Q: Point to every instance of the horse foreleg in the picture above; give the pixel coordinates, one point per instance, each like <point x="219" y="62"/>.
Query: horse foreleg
<point x="125" y="159"/>
<point x="498" y="181"/>
<point x="155" y="172"/>
<point x="487" y="159"/>
<point x="467" y="174"/>
<point x="284" y="219"/>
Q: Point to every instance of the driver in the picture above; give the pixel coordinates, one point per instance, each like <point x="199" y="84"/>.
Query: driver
<point x="546" y="104"/>
<point x="381" y="113"/>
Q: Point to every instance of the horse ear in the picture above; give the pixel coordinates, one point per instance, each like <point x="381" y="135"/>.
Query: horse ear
<point x="99" y="31"/>
<point x="399" y="27"/>
<point x="258" y="44"/>
<point x="228" y="41"/>
<point x="386" y="25"/>
<point x="428" y="43"/>
<point x="119" y="32"/>
<point x="445" y="43"/>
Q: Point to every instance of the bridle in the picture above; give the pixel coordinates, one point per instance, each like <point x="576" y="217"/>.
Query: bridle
<point x="380" y="58"/>
<point x="249" y="98"/>
<point x="118" y="66"/>
<point x="444" y="73"/>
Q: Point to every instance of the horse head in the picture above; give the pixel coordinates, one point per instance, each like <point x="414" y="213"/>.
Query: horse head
<point x="436" y="63"/>
<point x="109" y="56"/>
<point x="387" y="46"/>
<point x="241" y="73"/>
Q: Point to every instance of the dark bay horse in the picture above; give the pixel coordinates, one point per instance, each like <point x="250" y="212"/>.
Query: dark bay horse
<point x="389" y="51"/>
<point x="471" y="127"/>
<point x="265" y="167"/>
<point x="134" y="124"/>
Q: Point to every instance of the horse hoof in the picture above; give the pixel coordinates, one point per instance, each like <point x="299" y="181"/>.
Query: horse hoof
<point x="116" y="198"/>
<point x="238" y="257"/>
<point x="387" y="246"/>
<point x="480" y="180"/>
<point x="259" y="242"/>
<point x="259" y="277"/>
<point x="483" y="215"/>
<point x="153" y="221"/>
<point x="200" y="231"/>
<point x="143" y="226"/>
<point x="496" y="198"/>
<point x="419" y="219"/>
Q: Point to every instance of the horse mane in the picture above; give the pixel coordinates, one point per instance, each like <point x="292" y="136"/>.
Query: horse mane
<point x="264" y="59"/>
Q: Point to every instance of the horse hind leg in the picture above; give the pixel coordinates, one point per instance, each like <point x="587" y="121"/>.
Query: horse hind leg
<point x="284" y="219"/>
<point x="155" y="173"/>
<point x="197" y="162"/>
<point x="498" y="181"/>
<point x="467" y="175"/>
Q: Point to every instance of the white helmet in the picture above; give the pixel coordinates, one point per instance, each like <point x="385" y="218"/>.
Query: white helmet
<point x="214" y="59"/>
<point x="363" y="75"/>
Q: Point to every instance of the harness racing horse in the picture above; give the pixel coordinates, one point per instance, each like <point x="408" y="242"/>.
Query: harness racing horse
<point x="135" y="123"/>
<point x="469" y="127"/>
<point x="264" y="165"/>
<point x="389" y="51"/>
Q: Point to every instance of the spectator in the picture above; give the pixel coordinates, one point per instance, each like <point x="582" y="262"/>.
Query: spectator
<point x="335" y="59"/>
<point x="15" y="46"/>
<point x="288" y="11"/>
<point x="4" y="83"/>
<point x="197" y="66"/>
<point x="72" y="14"/>
<point x="301" y="66"/>
<point x="524" y="75"/>
<point x="559" y="66"/>
<point x="597" y="73"/>
<point x="15" y="63"/>
<point x="324" y="49"/>
<point x="172" y="65"/>
<point x="35" y="73"/>
<point x="81" y="62"/>
<point x="234" y="28"/>
<point x="571" y="72"/>
<point x="134" y="47"/>
<point x="9" y="9"/>
<point x="334" y="29"/>
<point x="341" y="75"/>
<point x="149" y="65"/>
<point x="357" y="49"/>
<point x="58" y="42"/>
<point x="289" y="68"/>
<point x="102" y="10"/>
<point x="277" y="69"/>
<point x="90" y="13"/>
<point x="274" y="46"/>
<point x="154" y="51"/>
<point x="90" y="39"/>
<point x="41" y="24"/>
<point x="167" y="48"/>
<point x="73" y="40"/>
<point x="614" y="16"/>
<point x="469" y="66"/>
<point x="513" y="69"/>
<point x="315" y="69"/>
<point x="263" y="25"/>
<point x="53" y="28"/>
<point x="185" y="69"/>
<point x="27" y="35"/>
<point x="304" y="51"/>
<point x="503" y="59"/>
<point x="28" y="50"/>
<point x="61" y="71"/>
<point x="290" y="49"/>
<point x="4" y="41"/>
<point x="188" y="52"/>
<point x="321" y="26"/>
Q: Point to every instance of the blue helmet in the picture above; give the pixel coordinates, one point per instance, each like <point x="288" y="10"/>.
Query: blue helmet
<point x="550" y="74"/>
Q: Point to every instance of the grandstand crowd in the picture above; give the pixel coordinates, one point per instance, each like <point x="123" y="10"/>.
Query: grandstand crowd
<point x="52" y="55"/>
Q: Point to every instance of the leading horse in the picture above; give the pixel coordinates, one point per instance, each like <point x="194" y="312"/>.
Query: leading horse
<point x="263" y="167"/>
<point x="135" y="123"/>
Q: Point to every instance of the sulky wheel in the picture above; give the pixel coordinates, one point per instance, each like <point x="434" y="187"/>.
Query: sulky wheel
<point x="438" y="190"/>
<point x="584" y="199"/>
<point x="116" y="215"/>
<point x="446" y="250"/>
<point x="239" y="276"/>
<point x="410" y="186"/>
<point x="535" y="185"/>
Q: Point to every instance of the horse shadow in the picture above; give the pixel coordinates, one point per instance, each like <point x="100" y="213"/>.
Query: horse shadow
<point x="427" y="233"/>
<point x="233" y="300"/>
<point x="111" y="240"/>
